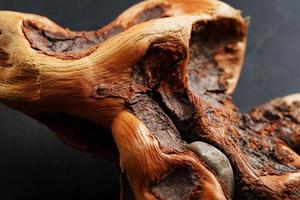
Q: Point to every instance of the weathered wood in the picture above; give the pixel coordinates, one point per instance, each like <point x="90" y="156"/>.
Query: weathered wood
<point x="145" y="86"/>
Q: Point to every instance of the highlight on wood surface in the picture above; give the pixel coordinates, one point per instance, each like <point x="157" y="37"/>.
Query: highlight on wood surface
<point x="152" y="92"/>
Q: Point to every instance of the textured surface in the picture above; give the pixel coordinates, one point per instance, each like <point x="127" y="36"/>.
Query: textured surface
<point x="23" y="156"/>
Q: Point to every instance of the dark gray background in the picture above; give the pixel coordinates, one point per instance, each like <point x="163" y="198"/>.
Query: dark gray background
<point x="35" y="165"/>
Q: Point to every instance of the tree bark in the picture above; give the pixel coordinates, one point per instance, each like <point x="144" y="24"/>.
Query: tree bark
<point x="144" y="87"/>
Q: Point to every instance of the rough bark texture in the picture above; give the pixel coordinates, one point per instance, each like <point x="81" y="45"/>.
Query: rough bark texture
<point x="143" y="87"/>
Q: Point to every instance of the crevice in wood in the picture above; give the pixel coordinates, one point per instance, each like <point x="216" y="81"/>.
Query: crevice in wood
<point x="67" y="44"/>
<point x="153" y="12"/>
<point x="206" y="78"/>
<point x="177" y="185"/>
<point x="154" y="118"/>
<point x="64" y="42"/>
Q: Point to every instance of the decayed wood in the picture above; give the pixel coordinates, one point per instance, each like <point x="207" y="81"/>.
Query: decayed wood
<point x="157" y="78"/>
<point x="146" y="163"/>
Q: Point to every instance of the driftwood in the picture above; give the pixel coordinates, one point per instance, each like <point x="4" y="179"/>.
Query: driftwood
<point x="157" y="82"/>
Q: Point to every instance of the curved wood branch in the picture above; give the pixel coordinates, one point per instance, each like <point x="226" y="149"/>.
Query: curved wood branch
<point x="163" y="73"/>
<point x="160" y="175"/>
<point x="44" y="69"/>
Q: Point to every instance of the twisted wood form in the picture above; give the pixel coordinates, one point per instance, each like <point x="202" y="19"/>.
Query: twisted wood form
<point x="140" y="89"/>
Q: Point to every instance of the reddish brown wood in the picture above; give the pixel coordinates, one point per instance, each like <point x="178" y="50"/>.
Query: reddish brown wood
<point x="140" y="89"/>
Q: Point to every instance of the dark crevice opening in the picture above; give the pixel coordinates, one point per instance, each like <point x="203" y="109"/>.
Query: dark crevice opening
<point x="67" y="44"/>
